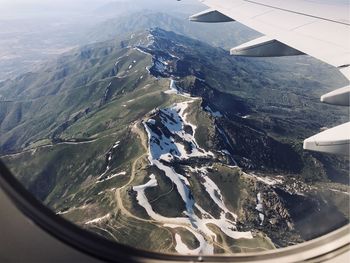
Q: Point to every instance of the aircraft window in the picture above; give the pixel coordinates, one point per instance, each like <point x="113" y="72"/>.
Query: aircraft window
<point x="138" y="126"/>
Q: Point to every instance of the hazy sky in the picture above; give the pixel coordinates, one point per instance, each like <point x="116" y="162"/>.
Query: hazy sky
<point x="21" y="4"/>
<point x="67" y="3"/>
<point x="42" y="7"/>
<point x="47" y="2"/>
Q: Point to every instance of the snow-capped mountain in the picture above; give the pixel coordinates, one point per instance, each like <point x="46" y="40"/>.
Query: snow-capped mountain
<point x="165" y="143"/>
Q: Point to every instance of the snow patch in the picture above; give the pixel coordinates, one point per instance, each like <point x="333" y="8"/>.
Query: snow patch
<point x="203" y="248"/>
<point x="267" y="180"/>
<point x="162" y="148"/>
<point x="151" y="121"/>
<point x="174" y="121"/>
<point x="174" y="89"/>
<point x="98" y="220"/>
<point x="111" y="177"/>
<point x="259" y="207"/>
<point x="216" y="114"/>
<point x="214" y="192"/>
<point x="142" y="51"/>
<point x="335" y="190"/>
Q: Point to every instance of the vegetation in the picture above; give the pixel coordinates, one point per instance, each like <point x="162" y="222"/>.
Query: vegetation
<point x="73" y="134"/>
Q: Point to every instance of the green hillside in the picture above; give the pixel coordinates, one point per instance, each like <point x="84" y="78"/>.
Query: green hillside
<point x="210" y="142"/>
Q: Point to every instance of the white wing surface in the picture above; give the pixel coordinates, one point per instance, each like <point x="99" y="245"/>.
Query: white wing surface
<point x="315" y="27"/>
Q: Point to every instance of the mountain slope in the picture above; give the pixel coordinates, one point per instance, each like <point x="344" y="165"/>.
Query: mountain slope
<point x="167" y="140"/>
<point x="221" y="35"/>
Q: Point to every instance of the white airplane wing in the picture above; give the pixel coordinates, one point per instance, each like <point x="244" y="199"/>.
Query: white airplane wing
<point x="318" y="28"/>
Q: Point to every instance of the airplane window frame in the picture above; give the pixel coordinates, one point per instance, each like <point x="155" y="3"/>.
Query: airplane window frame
<point x="323" y="248"/>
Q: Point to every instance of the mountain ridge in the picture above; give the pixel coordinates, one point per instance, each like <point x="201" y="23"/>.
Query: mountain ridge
<point x="168" y="126"/>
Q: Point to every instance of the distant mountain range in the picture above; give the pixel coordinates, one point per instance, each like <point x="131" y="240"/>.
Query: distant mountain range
<point x="26" y="52"/>
<point x="26" y="43"/>
<point x="162" y="138"/>
<point x="223" y="35"/>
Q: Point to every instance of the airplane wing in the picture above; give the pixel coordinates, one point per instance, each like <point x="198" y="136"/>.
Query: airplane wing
<point x="318" y="28"/>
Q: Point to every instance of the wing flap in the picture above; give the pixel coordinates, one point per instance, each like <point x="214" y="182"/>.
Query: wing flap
<point x="210" y="16"/>
<point x="264" y="47"/>
<point x="335" y="140"/>
<point x="339" y="97"/>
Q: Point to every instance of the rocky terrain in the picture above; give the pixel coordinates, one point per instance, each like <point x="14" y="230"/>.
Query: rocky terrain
<point x="165" y="143"/>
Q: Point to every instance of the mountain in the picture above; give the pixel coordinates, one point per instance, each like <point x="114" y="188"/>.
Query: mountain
<point x="23" y="52"/>
<point x="221" y="35"/>
<point x="165" y="143"/>
<point x="115" y="8"/>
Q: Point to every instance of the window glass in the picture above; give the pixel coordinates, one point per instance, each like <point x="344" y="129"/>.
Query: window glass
<point x="136" y="124"/>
